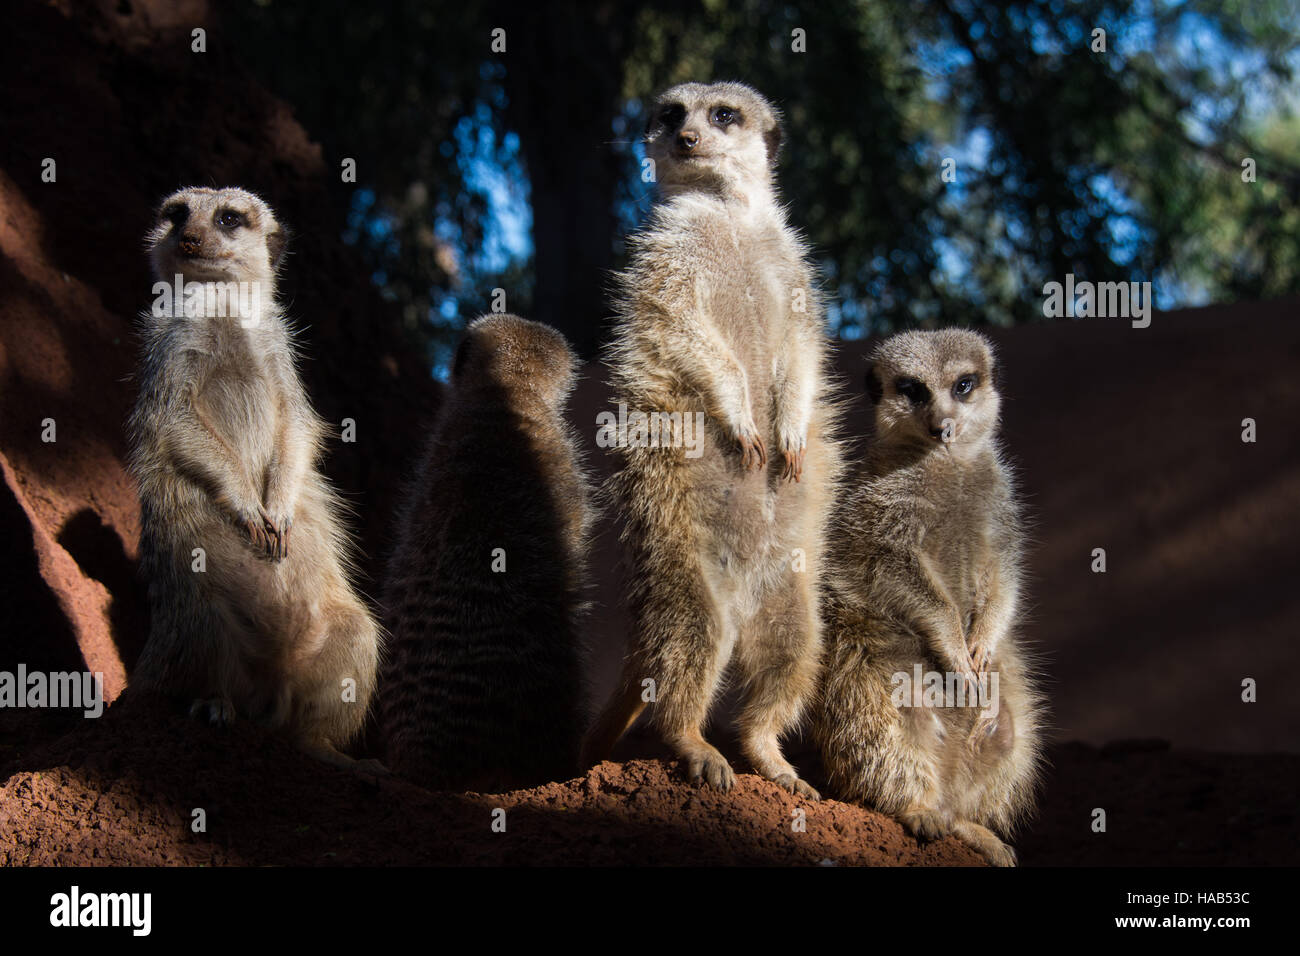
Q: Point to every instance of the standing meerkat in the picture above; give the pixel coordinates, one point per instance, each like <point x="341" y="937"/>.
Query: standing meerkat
<point x="925" y="581"/>
<point x="720" y="320"/>
<point x="484" y="595"/>
<point x="263" y="623"/>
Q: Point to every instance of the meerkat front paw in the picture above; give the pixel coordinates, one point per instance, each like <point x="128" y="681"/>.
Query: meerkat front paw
<point x="753" y="450"/>
<point x="792" y="468"/>
<point x="253" y="529"/>
<point x="962" y="664"/>
<point x="260" y="529"/>
<point x="794" y="445"/>
<point x="217" y="711"/>
<point x="280" y="545"/>
<point x="278" y="515"/>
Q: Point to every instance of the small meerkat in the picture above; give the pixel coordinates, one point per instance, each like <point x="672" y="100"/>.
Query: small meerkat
<point x="485" y="589"/>
<point x="720" y="320"/>
<point x="243" y="544"/>
<point x="925" y="580"/>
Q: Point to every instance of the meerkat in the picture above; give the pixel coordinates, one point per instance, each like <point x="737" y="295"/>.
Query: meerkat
<point x="243" y="544"/>
<point x="925" y="580"/>
<point x="719" y="318"/>
<point x="486" y="587"/>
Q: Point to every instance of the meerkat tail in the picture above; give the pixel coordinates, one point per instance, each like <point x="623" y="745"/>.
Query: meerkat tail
<point x="624" y="707"/>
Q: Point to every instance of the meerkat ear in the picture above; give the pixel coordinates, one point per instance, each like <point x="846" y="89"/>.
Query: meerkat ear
<point x="773" y="138"/>
<point x="276" y="244"/>
<point x="994" y="377"/>
<point x="652" y="120"/>
<point x="875" y="387"/>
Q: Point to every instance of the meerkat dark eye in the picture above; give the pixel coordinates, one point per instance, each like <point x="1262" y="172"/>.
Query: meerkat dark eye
<point x="671" y="116"/>
<point x="229" y="219"/>
<point x="722" y="116"/>
<point x="177" y="215"/>
<point x="912" y="390"/>
<point x="965" y="385"/>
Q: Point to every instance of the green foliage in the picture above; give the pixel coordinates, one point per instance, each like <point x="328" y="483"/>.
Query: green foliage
<point x="1122" y="164"/>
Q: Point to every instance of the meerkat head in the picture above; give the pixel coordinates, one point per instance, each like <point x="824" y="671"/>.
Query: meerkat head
<point x="507" y="352"/>
<point x="935" y="389"/>
<point x="216" y="235"/>
<point x="717" y="136"/>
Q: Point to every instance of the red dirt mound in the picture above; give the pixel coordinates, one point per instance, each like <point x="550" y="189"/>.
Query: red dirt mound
<point x="124" y="790"/>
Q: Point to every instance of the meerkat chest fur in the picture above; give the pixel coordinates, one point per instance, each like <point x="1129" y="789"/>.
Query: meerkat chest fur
<point x="728" y="271"/>
<point x="956" y="503"/>
<point x="243" y="381"/>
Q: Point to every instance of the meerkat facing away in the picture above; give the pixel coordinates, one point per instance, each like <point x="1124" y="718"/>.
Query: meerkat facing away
<point x="720" y="318"/>
<point x="925" y="579"/>
<point x="263" y="622"/>
<point x="484" y="595"/>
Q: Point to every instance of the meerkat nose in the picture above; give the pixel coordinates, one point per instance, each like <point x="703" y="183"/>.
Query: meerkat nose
<point x="688" y="139"/>
<point x="190" y="244"/>
<point x="936" y="433"/>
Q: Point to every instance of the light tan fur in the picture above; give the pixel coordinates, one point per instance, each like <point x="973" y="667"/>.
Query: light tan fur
<point x="719" y="313"/>
<point x="224" y="449"/>
<point x="482" y="689"/>
<point x="927" y="571"/>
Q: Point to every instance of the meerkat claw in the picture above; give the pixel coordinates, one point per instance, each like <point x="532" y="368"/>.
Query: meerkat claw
<point x="753" y="453"/>
<point x="793" y="468"/>
<point x="711" y="769"/>
<point x="796" y="785"/>
<point x="217" y="711"/>
<point x="286" y="525"/>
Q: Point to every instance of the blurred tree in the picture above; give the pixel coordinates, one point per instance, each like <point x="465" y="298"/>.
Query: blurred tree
<point x="1112" y="156"/>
